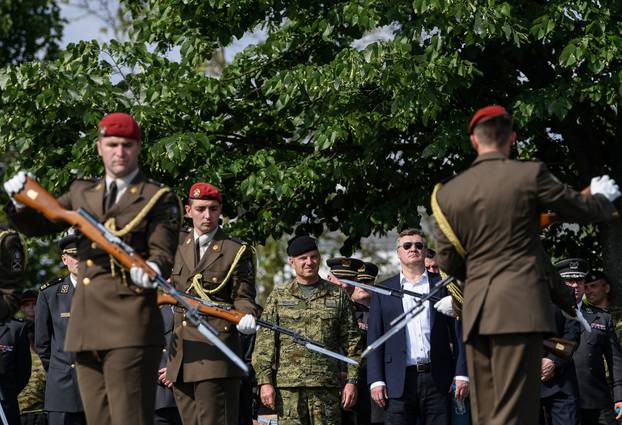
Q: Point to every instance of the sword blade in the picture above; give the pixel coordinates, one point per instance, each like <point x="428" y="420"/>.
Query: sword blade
<point x="395" y="329"/>
<point x="329" y="353"/>
<point x="369" y="288"/>
<point x="223" y="347"/>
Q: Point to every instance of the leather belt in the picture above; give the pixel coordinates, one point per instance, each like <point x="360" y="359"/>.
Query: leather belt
<point x="421" y="367"/>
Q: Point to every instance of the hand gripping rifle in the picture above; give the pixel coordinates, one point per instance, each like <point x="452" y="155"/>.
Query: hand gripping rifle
<point x="231" y="315"/>
<point x="36" y="197"/>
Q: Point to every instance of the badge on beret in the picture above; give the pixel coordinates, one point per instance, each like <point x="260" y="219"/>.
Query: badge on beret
<point x="196" y="193"/>
<point x="17" y="261"/>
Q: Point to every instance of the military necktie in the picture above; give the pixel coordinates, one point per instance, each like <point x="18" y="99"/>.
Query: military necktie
<point x="111" y="196"/>
<point x="200" y="245"/>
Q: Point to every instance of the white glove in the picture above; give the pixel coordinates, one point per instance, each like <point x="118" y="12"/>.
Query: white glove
<point x="445" y="306"/>
<point x="15" y="185"/>
<point x="140" y="277"/>
<point x="247" y="325"/>
<point x="606" y="186"/>
<point x="579" y="318"/>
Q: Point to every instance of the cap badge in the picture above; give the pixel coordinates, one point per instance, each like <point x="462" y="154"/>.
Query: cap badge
<point x="196" y="193"/>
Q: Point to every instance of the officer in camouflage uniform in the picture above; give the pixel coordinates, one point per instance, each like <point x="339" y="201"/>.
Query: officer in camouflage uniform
<point x="12" y="264"/>
<point x="307" y="383"/>
<point x="31" y="397"/>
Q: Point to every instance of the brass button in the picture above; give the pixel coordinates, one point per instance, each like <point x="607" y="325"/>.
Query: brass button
<point x="225" y="329"/>
<point x="164" y="350"/>
<point x="89" y="263"/>
<point x="94" y="245"/>
<point x="133" y="189"/>
<point x="214" y="279"/>
<point x="184" y="323"/>
<point x="86" y="280"/>
<point x="73" y="365"/>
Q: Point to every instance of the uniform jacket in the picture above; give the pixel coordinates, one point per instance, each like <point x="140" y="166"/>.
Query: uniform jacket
<point x="164" y="396"/>
<point x="494" y="208"/>
<point x="327" y="316"/>
<point x="12" y="262"/>
<point x="53" y="311"/>
<point x="388" y="362"/>
<point x="14" y="365"/>
<point x="596" y="345"/>
<point x="107" y="311"/>
<point x="564" y="378"/>
<point x="189" y="351"/>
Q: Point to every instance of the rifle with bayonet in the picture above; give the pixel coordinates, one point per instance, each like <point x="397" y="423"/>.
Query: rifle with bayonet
<point x="229" y="314"/>
<point x="36" y="197"/>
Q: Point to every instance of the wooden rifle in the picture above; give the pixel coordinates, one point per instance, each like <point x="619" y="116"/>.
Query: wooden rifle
<point x="36" y="197"/>
<point x="229" y="314"/>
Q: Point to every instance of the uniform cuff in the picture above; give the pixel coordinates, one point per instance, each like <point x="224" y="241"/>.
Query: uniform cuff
<point x="461" y="378"/>
<point x="377" y="384"/>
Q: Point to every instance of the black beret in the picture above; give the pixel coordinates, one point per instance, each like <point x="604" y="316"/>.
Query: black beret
<point x="594" y="275"/>
<point x="28" y="295"/>
<point x="369" y="273"/>
<point x="301" y="244"/>
<point x="69" y="244"/>
<point x="572" y="268"/>
<point x="345" y="268"/>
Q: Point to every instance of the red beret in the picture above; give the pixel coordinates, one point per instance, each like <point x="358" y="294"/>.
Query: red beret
<point x="204" y="191"/>
<point x="120" y="125"/>
<point x="486" y="113"/>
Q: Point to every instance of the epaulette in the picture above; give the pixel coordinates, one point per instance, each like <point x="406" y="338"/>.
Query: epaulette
<point x="237" y="240"/>
<point x="155" y="182"/>
<point x="51" y="283"/>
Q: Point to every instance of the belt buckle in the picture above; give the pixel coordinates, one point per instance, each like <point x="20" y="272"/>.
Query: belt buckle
<point x="423" y="367"/>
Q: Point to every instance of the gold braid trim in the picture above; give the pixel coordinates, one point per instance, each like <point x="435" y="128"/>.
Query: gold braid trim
<point x="443" y="224"/>
<point x="205" y="293"/>
<point x="111" y="225"/>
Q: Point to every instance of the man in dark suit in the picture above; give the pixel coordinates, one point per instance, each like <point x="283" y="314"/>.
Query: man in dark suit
<point x="602" y="342"/>
<point x="166" y="412"/>
<point x="115" y="326"/>
<point x="62" y="395"/>
<point x="559" y="387"/>
<point x="489" y="238"/>
<point x="412" y="373"/>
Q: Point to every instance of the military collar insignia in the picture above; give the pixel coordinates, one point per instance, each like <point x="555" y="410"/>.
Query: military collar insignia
<point x="64" y="289"/>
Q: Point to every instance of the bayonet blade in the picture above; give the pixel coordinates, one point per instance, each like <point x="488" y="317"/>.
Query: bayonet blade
<point x="329" y="353"/>
<point x="369" y="288"/>
<point x="223" y="347"/>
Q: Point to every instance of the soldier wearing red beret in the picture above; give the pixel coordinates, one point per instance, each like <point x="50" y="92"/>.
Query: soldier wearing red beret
<point x="489" y="225"/>
<point x="115" y="327"/>
<point x="216" y="267"/>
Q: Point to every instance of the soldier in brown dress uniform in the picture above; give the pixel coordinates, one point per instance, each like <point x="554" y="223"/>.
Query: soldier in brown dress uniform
<point x="115" y="326"/>
<point x="214" y="266"/>
<point x="493" y="209"/>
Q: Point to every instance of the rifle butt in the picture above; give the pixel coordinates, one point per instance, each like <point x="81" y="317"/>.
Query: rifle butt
<point x="35" y="196"/>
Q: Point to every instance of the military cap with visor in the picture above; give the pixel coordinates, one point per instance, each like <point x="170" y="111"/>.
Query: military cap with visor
<point x="572" y="268"/>
<point x="345" y="268"/>
<point x="368" y="273"/>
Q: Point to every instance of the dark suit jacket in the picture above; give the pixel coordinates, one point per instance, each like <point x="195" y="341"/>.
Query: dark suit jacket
<point x="494" y="208"/>
<point x="564" y="380"/>
<point x="107" y="312"/>
<point x="51" y="320"/>
<point x="388" y="363"/>
<point x="15" y="364"/>
<point x="164" y="396"/>
<point x="596" y="345"/>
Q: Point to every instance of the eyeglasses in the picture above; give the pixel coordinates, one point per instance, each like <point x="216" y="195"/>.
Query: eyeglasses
<point x="407" y="245"/>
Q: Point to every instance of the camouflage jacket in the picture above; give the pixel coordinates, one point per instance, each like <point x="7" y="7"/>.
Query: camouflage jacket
<point x="31" y="398"/>
<point x="327" y="316"/>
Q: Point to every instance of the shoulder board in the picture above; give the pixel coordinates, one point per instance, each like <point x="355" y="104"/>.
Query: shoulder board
<point x="51" y="283"/>
<point x="236" y="240"/>
<point x="185" y="230"/>
<point x="154" y="182"/>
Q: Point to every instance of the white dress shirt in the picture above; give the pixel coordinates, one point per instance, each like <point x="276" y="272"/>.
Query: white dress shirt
<point x="74" y="280"/>
<point x="418" y="329"/>
<point x="204" y="240"/>
<point x="122" y="183"/>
